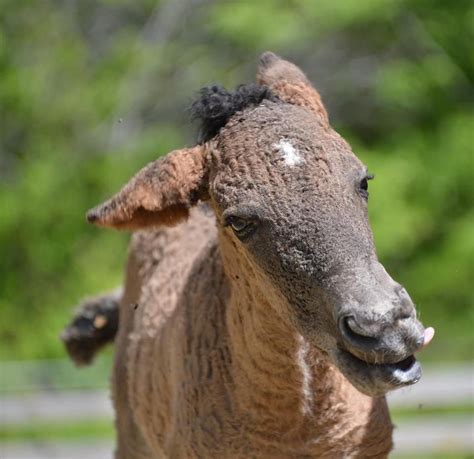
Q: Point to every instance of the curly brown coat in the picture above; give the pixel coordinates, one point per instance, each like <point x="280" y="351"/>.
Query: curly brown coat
<point x="258" y="324"/>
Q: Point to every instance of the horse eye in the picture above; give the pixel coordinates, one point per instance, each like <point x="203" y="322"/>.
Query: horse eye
<point x="238" y="224"/>
<point x="242" y="227"/>
<point x="364" y="186"/>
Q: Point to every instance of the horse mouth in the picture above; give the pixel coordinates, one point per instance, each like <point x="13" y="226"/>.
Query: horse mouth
<point x="376" y="379"/>
<point x="398" y="374"/>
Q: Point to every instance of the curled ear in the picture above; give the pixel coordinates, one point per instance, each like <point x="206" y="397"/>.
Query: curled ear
<point x="290" y="84"/>
<point x="160" y="194"/>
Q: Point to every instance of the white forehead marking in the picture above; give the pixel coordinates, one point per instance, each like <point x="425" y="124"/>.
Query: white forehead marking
<point x="289" y="152"/>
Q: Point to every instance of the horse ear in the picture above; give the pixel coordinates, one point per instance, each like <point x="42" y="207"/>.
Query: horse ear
<point x="160" y="194"/>
<point x="290" y="84"/>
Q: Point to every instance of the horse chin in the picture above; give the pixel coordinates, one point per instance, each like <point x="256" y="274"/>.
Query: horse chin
<point x="375" y="380"/>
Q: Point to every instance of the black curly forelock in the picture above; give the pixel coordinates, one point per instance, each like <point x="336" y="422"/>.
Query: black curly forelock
<point x="215" y="106"/>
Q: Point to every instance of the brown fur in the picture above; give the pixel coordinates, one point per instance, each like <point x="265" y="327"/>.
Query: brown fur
<point x="160" y="194"/>
<point x="290" y="84"/>
<point x="203" y="370"/>
<point x="304" y="96"/>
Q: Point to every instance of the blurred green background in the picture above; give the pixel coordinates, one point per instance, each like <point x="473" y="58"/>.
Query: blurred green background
<point x="92" y="90"/>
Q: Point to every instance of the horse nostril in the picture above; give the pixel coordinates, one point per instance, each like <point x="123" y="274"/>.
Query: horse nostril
<point x="355" y="327"/>
<point x="355" y="334"/>
<point x="406" y="308"/>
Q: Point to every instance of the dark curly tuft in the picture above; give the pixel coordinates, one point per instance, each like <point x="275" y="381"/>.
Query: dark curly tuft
<point x="216" y="105"/>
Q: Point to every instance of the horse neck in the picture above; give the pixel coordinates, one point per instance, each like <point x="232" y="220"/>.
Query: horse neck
<point x="282" y="383"/>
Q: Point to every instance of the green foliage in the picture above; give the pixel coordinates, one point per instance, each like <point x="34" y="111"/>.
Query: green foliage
<point x="91" y="91"/>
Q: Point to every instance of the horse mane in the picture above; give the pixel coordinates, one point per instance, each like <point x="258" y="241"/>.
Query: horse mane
<point x="216" y="105"/>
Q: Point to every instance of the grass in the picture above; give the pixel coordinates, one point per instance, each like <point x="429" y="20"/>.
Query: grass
<point x="433" y="456"/>
<point x="89" y="429"/>
<point x="399" y="414"/>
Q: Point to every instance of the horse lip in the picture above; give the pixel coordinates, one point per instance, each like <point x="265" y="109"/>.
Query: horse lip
<point x="402" y="373"/>
<point x="406" y="372"/>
